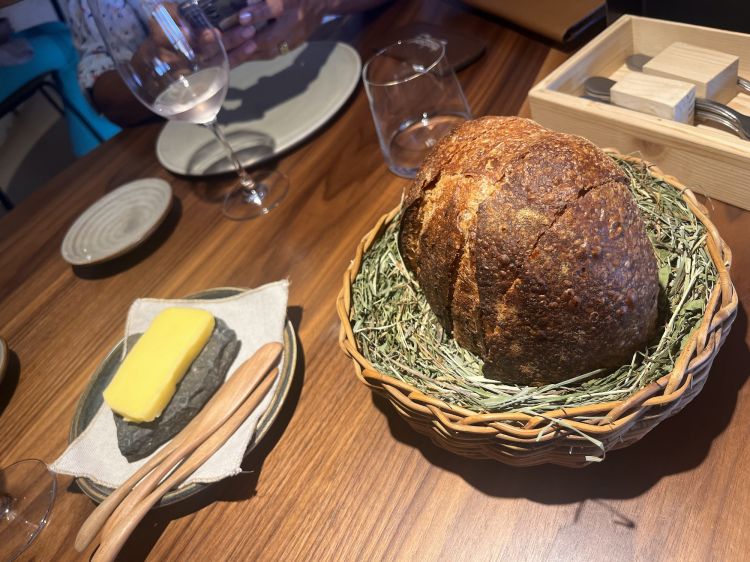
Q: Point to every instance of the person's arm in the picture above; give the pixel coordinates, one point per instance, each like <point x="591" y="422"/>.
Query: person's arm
<point x="113" y="98"/>
<point x="96" y="70"/>
<point x="295" y="20"/>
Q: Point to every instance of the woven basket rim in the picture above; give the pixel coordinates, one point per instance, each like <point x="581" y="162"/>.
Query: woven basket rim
<point x="617" y="415"/>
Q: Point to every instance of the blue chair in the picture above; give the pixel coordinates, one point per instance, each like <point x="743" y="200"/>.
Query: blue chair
<point x="53" y="66"/>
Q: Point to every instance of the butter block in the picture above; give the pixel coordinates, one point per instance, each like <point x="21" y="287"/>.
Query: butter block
<point x="147" y="378"/>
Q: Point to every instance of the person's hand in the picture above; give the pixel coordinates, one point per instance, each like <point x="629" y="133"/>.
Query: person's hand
<point x="295" y="21"/>
<point x="239" y="30"/>
<point x="156" y="45"/>
<point x="237" y="33"/>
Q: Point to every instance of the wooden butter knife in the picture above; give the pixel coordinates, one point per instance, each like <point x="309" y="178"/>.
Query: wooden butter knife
<point x="136" y="505"/>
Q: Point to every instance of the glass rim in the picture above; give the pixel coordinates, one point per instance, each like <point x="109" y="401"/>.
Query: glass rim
<point x="432" y="65"/>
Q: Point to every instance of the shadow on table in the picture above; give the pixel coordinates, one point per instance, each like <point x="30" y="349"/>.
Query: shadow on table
<point x="678" y="444"/>
<point x="250" y="104"/>
<point x="137" y="254"/>
<point x="215" y="188"/>
<point x="246" y="105"/>
<point x="237" y="488"/>
<point x="249" y="146"/>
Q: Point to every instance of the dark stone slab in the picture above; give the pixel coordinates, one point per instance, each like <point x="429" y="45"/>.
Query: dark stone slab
<point x="203" y="378"/>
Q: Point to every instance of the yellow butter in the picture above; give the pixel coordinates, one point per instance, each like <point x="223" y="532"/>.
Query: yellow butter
<point x="146" y="381"/>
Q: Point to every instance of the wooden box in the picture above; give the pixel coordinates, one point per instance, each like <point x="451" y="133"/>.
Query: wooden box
<point x="708" y="160"/>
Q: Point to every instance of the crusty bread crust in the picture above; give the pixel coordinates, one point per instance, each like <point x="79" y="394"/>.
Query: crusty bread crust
<point x="530" y="250"/>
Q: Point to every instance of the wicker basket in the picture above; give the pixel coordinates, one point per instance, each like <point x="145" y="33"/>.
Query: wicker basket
<point x="541" y="440"/>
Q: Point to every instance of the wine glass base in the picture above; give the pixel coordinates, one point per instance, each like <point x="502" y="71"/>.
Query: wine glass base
<point x="269" y="189"/>
<point x="27" y="492"/>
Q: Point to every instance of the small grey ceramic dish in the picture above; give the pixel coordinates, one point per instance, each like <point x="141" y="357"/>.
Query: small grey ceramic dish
<point x="118" y="222"/>
<point x="3" y="358"/>
<point x="91" y="400"/>
<point x="272" y="105"/>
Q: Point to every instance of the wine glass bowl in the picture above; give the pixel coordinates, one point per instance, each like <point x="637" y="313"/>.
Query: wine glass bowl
<point x="178" y="68"/>
<point x="27" y="492"/>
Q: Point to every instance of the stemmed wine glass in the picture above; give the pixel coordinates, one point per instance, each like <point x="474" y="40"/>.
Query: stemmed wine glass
<point x="27" y="492"/>
<point x="177" y="67"/>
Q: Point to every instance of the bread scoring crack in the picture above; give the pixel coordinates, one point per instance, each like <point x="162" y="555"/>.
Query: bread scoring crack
<point x="581" y="193"/>
<point x="464" y="299"/>
<point x="416" y="207"/>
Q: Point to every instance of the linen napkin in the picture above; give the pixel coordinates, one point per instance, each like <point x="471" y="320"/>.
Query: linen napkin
<point x="257" y="316"/>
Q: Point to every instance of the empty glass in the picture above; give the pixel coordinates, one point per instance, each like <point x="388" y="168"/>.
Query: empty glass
<point x="415" y="99"/>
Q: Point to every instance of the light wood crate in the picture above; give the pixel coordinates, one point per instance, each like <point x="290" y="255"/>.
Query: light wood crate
<point x="713" y="162"/>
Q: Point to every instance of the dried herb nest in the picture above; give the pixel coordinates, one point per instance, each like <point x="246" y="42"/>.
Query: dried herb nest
<point x="399" y="334"/>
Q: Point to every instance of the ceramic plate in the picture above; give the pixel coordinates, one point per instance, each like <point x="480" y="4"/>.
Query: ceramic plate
<point x="91" y="400"/>
<point x="271" y="106"/>
<point x="3" y="358"/>
<point x="117" y="222"/>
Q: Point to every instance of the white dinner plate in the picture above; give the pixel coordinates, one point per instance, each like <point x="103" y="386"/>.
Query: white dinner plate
<point x="117" y="222"/>
<point x="270" y="106"/>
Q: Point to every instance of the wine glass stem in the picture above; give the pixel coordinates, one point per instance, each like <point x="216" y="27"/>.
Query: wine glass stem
<point x="248" y="185"/>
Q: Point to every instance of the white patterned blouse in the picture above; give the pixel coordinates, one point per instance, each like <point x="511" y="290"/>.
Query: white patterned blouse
<point x="121" y="21"/>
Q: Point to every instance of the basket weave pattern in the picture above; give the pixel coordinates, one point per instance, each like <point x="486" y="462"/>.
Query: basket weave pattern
<point x="558" y="437"/>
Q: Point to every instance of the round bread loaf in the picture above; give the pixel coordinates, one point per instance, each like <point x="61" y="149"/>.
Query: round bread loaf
<point x="530" y="249"/>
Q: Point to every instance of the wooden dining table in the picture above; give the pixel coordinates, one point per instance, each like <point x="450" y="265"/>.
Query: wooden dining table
<point x="340" y="476"/>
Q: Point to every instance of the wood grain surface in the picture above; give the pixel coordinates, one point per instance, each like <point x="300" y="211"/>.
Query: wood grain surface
<point x="341" y="476"/>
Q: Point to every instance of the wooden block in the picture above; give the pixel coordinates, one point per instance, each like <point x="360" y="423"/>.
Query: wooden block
<point x="714" y="73"/>
<point x="662" y="97"/>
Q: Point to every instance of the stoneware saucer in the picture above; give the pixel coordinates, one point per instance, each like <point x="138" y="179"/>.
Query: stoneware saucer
<point x="118" y="222"/>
